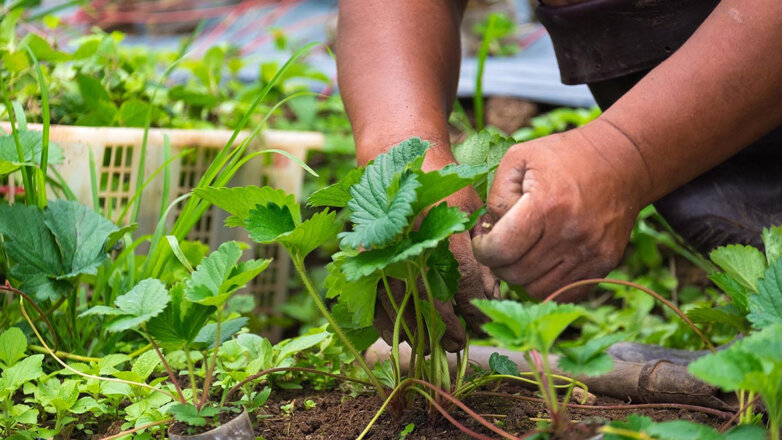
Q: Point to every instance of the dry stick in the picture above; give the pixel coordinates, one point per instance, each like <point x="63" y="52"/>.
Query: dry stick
<point x="733" y="418"/>
<point x="450" y="418"/>
<point x="303" y="369"/>
<point x="703" y="409"/>
<point x="7" y="287"/>
<point x="649" y="292"/>
<point x="79" y="373"/>
<point x="140" y="428"/>
<point x="464" y="408"/>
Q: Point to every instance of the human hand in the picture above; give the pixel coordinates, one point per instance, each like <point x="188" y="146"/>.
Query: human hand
<point x="476" y="282"/>
<point x="565" y="205"/>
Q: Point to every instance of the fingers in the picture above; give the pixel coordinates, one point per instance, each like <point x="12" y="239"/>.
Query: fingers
<point x="516" y="232"/>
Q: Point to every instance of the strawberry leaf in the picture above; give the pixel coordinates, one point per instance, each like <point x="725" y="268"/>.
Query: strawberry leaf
<point x="766" y="305"/>
<point x="239" y="201"/>
<point x="745" y="264"/>
<point x="144" y="301"/>
<point x="219" y="275"/>
<point x="267" y="222"/>
<point x="338" y="194"/>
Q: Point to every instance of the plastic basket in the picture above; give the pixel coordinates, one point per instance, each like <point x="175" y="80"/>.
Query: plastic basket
<point x="117" y="151"/>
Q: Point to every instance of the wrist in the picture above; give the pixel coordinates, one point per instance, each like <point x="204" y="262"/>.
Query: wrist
<point x="618" y="158"/>
<point x="438" y="155"/>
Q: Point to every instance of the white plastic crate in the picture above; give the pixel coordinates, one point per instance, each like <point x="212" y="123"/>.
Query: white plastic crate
<point x="117" y="153"/>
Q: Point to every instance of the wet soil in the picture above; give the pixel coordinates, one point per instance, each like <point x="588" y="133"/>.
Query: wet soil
<point x="338" y="416"/>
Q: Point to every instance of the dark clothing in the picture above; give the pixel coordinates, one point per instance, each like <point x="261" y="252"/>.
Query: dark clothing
<point x="610" y="45"/>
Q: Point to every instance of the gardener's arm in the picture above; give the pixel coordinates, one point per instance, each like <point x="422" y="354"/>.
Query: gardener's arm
<point x="398" y="67"/>
<point x="567" y="202"/>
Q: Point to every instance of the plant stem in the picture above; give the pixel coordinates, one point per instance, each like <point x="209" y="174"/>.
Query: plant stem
<point x="166" y="365"/>
<point x="29" y="189"/>
<point x="209" y="369"/>
<point x="63" y="354"/>
<point x="298" y="263"/>
<point x="419" y="345"/>
<point x="394" y="305"/>
<point x="7" y="287"/>
<point x="433" y="342"/>
<point x="191" y="374"/>
<point x="395" y="343"/>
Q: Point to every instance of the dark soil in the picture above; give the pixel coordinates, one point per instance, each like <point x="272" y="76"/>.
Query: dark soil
<point x="338" y="416"/>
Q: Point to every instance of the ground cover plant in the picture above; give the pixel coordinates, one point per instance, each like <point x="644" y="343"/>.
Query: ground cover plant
<point x="100" y="339"/>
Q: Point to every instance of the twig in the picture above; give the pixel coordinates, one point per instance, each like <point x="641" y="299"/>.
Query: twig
<point x="7" y="287"/>
<point x="649" y="292"/>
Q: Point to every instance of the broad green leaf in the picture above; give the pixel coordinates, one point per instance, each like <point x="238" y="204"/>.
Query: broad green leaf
<point x="299" y="344"/>
<point x="589" y="359"/>
<point x="92" y="91"/>
<point x="42" y="49"/>
<point x="208" y="334"/>
<point x="737" y="293"/>
<point x="31" y="142"/>
<point x="145" y="364"/>
<point x="502" y="364"/>
<point x="725" y="369"/>
<point x="772" y="239"/>
<point x="443" y="272"/>
<point x="33" y="250"/>
<point x="186" y="413"/>
<point x="723" y="315"/>
<point x="239" y="201"/>
<point x="145" y="300"/>
<point x="8" y="167"/>
<point x="746" y="432"/>
<point x="439" y="184"/>
<point x="309" y="235"/>
<point x="219" y="275"/>
<point x="634" y="423"/>
<point x="744" y="263"/>
<point x="338" y="194"/>
<point x="23" y="371"/>
<point x="267" y="222"/>
<point x="682" y="430"/>
<point x="378" y="219"/>
<point x="357" y="296"/>
<point x="81" y="234"/>
<point x="766" y="305"/>
<point x="441" y="222"/>
<point x="180" y="322"/>
<point x="13" y="344"/>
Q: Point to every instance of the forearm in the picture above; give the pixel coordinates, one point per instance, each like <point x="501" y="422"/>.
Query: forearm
<point x="398" y="67"/>
<point x="718" y="93"/>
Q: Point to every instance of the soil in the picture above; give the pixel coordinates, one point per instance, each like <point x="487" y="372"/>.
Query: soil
<point x="339" y="416"/>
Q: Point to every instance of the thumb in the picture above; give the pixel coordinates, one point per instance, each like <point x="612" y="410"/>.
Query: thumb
<point x="512" y="236"/>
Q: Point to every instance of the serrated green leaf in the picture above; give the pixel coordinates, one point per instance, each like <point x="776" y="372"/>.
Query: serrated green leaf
<point x="527" y="327"/>
<point x="358" y="296"/>
<point x="724" y="315"/>
<point x="338" y="194"/>
<point x="81" y="234"/>
<point x="589" y="359"/>
<point x="267" y="222"/>
<point x="746" y="432"/>
<point x="32" y="144"/>
<point x="502" y="364"/>
<point x="441" y="222"/>
<point x="377" y="219"/>
<point x="443" y="272"/>
<point x="299" y="344"/>
<point x="595" y="366"/>
<point x="766" y="305"/>
<point x="92" y="91"/>
<point x="208" y="334"/>
<point x="186" y="413"/>
<point x="772" y="240"/>
<point x="682" y="430"/>
<point x="634" y="423"/>
<point x="33" y="250"/>
<point x="144" y="301"/>
<point x="744" y="263"/>
<point x="732" y="288"/>
<point x="214" y="280"/>
<point x="180" y="322"/>
<point x="145" y="364"/>
<point x="13" y="344"/>
<point x="239" y="201"/>
<point x="725" y="369"/>
<point x="311" y="234"/>
<point x="439" y="184"/>
<point x="23" y="371"/>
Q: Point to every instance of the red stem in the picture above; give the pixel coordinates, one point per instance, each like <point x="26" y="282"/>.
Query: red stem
<point x="168" y="368"/>
<point x="703" y="409"/>
<point x="733" y="418"/>
<point x="7" y="287"/>
<point x="649" y="292"/>
<point x="456" y="423"/>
